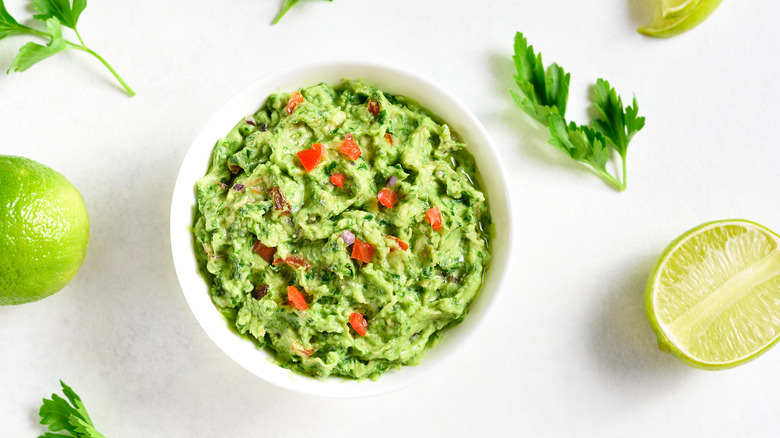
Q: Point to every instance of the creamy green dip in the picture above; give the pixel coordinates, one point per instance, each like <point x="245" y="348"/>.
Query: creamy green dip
<point x="265" y="223"/>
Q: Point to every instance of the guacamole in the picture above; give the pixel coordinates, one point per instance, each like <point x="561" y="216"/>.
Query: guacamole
<point x="342" y="229"/>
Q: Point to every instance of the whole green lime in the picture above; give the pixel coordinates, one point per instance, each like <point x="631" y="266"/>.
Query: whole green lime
<point x="44" y="228"/>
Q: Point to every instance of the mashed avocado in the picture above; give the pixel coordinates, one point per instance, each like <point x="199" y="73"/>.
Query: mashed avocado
<point x="343" y="229"/>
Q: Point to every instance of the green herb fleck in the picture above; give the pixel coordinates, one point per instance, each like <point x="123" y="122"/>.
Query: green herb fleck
<point x="380" y="118"/>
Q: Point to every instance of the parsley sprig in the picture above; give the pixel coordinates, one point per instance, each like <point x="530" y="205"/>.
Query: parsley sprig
<point x="286" y="5"/>
<point x="68" y="416"/>
<point x="54" y="14"/>
<point x="544" y="94"/>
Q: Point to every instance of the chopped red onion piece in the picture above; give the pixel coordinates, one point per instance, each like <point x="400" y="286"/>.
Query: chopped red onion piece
<point x="391" y="181"/>
<point x="234" y="168"/>
<point x="347" y="237"/>
<point x="260" y="291"/>
<point x="238" y="187"/>
<point x="280" y="202"/>
<point x="250" y="120"/>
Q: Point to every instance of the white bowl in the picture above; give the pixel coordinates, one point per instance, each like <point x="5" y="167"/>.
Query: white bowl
<point x="386" y="78"/>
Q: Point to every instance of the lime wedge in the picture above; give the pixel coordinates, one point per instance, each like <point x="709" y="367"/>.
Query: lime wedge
<point x="714" y="296"/>
<point x="678" y="16"/>
<point x="672" y="9"/>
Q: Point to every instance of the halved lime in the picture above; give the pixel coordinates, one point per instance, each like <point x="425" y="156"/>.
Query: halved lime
<point x="678" y="16"/>
<point x="714" y="296"/>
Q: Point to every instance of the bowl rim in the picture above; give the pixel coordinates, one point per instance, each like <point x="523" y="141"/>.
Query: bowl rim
<point x="386" y="77"/>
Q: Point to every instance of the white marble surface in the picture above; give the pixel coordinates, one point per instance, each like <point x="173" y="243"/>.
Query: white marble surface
<point x="568" y="351"/>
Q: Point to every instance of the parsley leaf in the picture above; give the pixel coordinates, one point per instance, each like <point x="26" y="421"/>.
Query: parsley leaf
<point x="32" y="53"/>
<point x="545" y="92"/>
<point x="61" y="10"/>
<point x="286" y="5"/>
<point x="8" y="25"/>
<point x="67" y="415"/>
<point x="616" y="123"/>
<point x="583" y="144"/>
<point x="54" y="14"/>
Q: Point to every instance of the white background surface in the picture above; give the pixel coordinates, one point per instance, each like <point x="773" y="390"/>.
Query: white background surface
<point x="568" y="350"/>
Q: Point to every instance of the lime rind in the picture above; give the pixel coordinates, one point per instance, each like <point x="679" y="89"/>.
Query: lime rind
<point x="724" y="341"/>
<point x="676" y="18"/>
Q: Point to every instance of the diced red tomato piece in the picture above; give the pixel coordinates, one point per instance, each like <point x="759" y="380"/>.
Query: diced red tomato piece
<point x="359" y="323"/>
<point x="389" y="138"/>
<point x="434" y="217"/>
<point x="373" y="107"/>
<point x="403" y="245"/>
<point x="311" y="157"/>
<point x="363" y="251"/>
<point x="293" y="101"/>
<point x="295" y="298"/>
<point x="338" y="179"/>
<point x="266" y="252"/>
<point x="294" y="261"/>
<point x="350" y="148"/>
<point x="386" y="197"/>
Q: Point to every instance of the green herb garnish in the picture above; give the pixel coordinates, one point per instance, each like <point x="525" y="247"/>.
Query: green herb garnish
<point x="286" y="5"/>
<point x="67" y="415"/>
<point x="545" y="92"/>
<point x="54" y="14"/>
